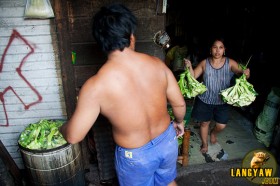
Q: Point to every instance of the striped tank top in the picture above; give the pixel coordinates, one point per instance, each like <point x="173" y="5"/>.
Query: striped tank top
<point x="215" y="80"/>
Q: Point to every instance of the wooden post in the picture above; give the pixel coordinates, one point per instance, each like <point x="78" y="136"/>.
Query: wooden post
<point x="10" y="164"/>
<point x="186" y="143"/>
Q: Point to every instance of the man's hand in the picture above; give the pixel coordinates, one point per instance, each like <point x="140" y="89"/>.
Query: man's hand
<point x="179" y="127"/>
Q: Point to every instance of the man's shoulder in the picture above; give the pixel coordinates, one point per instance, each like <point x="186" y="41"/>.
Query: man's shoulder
<point x="148" y="57"/>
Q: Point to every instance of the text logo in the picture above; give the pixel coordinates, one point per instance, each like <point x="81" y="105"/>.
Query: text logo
<point x="258" y="166"/>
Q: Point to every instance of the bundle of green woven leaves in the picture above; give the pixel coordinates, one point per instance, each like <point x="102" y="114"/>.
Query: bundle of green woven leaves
<point x="42" y="135"/>
<point x="241" y="94"/>
<point x="189" y="86"/>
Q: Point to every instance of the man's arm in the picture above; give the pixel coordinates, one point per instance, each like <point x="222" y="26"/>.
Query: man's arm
<point x="177" y="102"/>
<point x="86" y="113"/>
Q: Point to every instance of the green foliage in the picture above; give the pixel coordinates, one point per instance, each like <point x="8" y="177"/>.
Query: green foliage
<point x="42" y="135"/>
<point x="241" y="94"/>
<point x="189" y="86"/>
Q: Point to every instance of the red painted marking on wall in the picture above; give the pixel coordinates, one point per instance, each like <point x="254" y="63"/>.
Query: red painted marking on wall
<point x="16" y="35"/>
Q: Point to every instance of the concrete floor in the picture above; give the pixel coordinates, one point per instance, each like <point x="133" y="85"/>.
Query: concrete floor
<point x="211" y="174"/>
<point x="236" y="140"/>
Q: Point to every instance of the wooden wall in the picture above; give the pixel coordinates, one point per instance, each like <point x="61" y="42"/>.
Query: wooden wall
<point x="30" y="76"/>
<point x="73" y="21"/>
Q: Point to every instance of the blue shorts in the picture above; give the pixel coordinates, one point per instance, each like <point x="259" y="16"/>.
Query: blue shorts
<point x="206" y="112"/>
<point x="149" y="165"/>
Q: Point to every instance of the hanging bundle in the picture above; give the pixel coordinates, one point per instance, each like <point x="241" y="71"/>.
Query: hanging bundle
<point x="242" y="93"/>
<point x="40" y="9"/>
<point x="189" y="86"/>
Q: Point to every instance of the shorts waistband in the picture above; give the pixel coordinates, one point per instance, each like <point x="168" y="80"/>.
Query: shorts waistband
<point x="154" y="141"/>
<point x="163" y="135"/>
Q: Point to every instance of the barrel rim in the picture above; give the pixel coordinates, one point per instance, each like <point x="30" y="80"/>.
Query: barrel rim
<point x="43" y="150"/>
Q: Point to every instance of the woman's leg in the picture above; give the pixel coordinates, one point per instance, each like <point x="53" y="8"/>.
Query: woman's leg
<point x="217" y="129"/>
<point x="204" y="127"/>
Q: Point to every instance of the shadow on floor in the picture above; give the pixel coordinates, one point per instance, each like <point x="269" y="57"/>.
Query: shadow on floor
<point x="235" y="141"/>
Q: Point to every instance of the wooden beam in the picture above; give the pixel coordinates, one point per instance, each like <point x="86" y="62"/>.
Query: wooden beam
<point x="64" y="43"/>
<point x="10" y="164"/>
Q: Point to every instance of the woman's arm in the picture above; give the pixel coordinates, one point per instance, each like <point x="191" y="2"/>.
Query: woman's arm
<point x="198" y="70"/>
<point x="235" y="68"/>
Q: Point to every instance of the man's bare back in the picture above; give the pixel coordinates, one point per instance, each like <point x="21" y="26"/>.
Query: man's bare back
<point x="122" y="92"/>
<point x="131" y="90"/>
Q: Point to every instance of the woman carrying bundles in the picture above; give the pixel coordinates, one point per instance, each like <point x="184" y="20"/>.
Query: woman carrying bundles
<point x="217" y="72"/>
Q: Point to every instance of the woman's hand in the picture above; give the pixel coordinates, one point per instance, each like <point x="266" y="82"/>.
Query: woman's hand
<point x="246" y="72"/>
<point x="188" y="63"/>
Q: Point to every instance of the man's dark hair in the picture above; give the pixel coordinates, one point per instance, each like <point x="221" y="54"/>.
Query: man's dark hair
<point x="112" y="27"/>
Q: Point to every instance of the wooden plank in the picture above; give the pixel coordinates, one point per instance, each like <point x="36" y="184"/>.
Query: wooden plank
<point x="61" y="20"/>
<point x="39" y="82"/>
<point x="11" y="3"/>
<point x="32" y="66"/>
<point x="30" y="74"/>
<point x="27" y="31"/>
<point x="9" y="132"/>
<point x="46" y="105"/>
<point x="20" y="21"/>
<point x="11" y="142"/>
<point x="150" y="48"/>
<point x="10" y="164"/>
<point x="186" y="144"/>
<point x="30" y="97"/>
<point x="35" y="57"/>
<point x="11" y="11"/>
<point x="148" y="25"/>
<point x="19" y="124"/>
<point x="43" y="113"/>
<point x="42" y="90"/>
<point x="23" y="49"/>
<point x="80" y="16"/>
<point x="83" y="73"/>
<point x="88" y="54"/>
<point x="42" y="39"/>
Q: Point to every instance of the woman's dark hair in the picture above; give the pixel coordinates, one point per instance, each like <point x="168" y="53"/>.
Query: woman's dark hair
<point x="112" y="27"/>
<point x="217" y="38"/>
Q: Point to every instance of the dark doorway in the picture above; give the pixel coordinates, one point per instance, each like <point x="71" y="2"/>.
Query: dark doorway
<point x="248" y="29"/>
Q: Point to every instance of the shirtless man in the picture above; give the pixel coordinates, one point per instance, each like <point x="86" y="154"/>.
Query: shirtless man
<point x="132" y="90"/>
